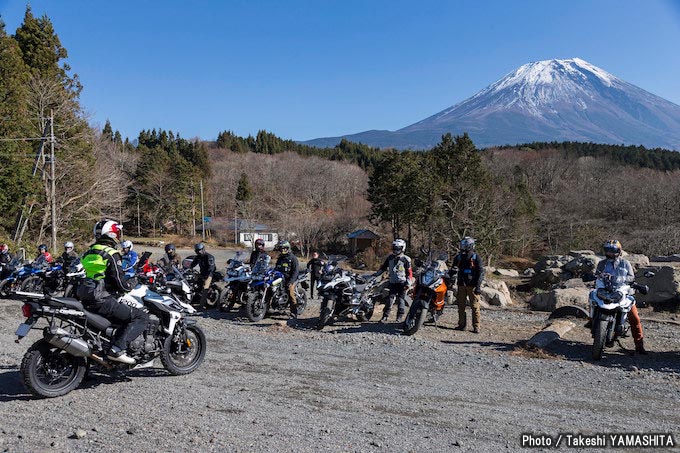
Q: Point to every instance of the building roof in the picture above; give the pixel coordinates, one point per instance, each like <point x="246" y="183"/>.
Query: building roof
<point x="223" y="223"/>
<point x="362" y="234"/>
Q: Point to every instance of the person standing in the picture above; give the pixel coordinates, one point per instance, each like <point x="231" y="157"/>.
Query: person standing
<point x="400" y="272"/>
<point x="315" y="267"/>
<point x="470" y="277"/>
<point x="206" y="265"/>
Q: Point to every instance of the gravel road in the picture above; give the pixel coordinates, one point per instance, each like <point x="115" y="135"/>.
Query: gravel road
<point x="279" y="385"/>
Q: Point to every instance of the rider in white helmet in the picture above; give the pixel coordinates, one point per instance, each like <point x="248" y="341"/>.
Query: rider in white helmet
<point x="130" y="259"/>
<point x="69" y="256"/>
<point x="400" y="272"/>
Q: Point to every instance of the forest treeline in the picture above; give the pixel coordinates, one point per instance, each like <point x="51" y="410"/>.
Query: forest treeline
<point x="524" y="200"/>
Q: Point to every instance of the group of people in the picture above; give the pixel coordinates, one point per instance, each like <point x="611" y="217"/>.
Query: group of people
<point x="110" y="272"/>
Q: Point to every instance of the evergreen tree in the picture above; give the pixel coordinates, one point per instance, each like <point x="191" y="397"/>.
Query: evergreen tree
<point x="243" y="190"/>
<point x="108" y="131"/>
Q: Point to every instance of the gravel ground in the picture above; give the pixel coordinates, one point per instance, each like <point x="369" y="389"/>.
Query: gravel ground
<point x="279" y="385"/>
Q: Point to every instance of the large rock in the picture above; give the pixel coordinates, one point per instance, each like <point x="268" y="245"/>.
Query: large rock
<point x="560" y="297"/>
<point x="496" y="292"/>
<point x="638" y="261"/>
<point x="580" y="253"/>
<point x="666" y="259"/>
<point x="551" y="261"/>
<point x="583" y="264"/>
<point x="506" y="272"/>
<point x="453" y="291"/>
<point x="546" y="278"/>
<point x="664" y="286"/>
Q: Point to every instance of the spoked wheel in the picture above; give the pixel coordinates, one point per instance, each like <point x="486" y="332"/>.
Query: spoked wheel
<point x="301" y="303"/>
<point x="5" y="288"/>
<point x="50" y="372"/>
<point x="227" y="301"/>
<point x="256" y="307"/>
<point x="415" y="319"/>
<point x="33" y="284"/>
<point x="184" y="354"/>
<point x="325" y="313"/>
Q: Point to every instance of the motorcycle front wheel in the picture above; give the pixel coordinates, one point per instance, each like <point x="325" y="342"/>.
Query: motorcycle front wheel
<point x="256" y="307"/>
<point x="50" y="372"/>
<point x="187" y="354"/>
<point x="599" y="337"/>
<point x="5" y="288"/>
<point x="33" y="284"/>
<point x="415" y="318"/>
<point x="325" y="314"/>
<point x="227" y="301"/>
<point x="301" y="303"/>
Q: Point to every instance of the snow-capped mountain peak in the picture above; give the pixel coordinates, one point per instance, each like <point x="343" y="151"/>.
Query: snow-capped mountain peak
<point x="549" y="100"/>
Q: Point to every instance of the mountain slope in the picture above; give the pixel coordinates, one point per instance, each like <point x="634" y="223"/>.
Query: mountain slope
<point x="551" y="100"/>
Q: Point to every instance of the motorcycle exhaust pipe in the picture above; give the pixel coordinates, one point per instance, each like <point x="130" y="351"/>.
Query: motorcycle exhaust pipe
<point x="56" y="336"/>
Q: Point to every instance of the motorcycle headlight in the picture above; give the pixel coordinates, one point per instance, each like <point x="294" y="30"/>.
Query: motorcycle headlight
<point x="428" y="277"/>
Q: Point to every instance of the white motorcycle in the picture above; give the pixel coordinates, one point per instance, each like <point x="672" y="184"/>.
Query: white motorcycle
<point x="142" y="293"/>
<point x="609" y="307"/>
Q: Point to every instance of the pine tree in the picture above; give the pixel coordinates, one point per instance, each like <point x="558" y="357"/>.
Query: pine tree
<point x="243" y="190"/>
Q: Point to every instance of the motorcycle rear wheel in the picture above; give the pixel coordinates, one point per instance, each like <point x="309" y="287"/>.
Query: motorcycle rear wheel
<point x="5" y="288"/>
<point x="415" y="319"/>
<point x="33" y="284"/>
<point x="50" y="372"/>
<point x="599" y="338"/>
<point x="184" y="357"/>
<point x="256" y="307"/>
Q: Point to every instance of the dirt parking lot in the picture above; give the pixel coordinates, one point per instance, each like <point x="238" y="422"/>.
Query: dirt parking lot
<point x="280" y="385"/>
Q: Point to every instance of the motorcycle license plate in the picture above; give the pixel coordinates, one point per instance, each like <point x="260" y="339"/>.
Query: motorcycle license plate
<point x="24" y="329"/>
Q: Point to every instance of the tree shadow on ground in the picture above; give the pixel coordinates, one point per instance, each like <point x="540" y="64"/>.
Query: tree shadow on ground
<point x="367" y="327"/>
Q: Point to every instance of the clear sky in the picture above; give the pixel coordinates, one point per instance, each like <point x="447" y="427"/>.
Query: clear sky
<point x="315" y="68"/>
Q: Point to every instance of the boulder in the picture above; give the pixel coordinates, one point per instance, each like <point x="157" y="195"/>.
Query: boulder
<point x="551" y="261"/>
<point x="529" y="272"/>
<point x="453" y="291"/>
<point x="666" y="259"/>
<point x="496" y="292"/>
<point x="506" y="272"/>
<point x="546" y="278"/>
<point x="583" y="264"/>
<point x="580" y="253"/>
<point x="574" y="283"/>
<point x="664" y="286"/>
<point x="560" y="297"/>
<point x="638" y="260"/>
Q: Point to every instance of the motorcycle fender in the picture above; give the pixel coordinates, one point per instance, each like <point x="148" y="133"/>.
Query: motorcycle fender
<point x="190" y="322"/>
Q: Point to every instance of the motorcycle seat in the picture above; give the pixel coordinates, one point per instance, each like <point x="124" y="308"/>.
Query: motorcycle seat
<point x="97" y="321"/>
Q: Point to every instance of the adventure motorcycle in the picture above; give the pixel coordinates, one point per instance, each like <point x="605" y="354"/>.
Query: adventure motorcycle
<point x="237" y="279"/>
<point x="430" y="295"/>
<point x="21" y="272"/>
<point x="345" y="295"/>
<point x="609" y="307"/>
<point x="267" y="294"/>
<point x="75" y="339"/>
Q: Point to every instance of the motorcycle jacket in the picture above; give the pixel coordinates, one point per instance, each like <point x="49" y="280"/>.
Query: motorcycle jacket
<point x="620" y="268"/>
<point x="67" y="258"/>
<point x="316" y="265"/>
<point x="130" y="260"/>
<point x="288" y="265"/>
<point x="206" y="264"/>
<point x="42" y="260"/>
<point x="166" y="263"/>
<point x="470" y="269"/>
<point x="399" y="267"/>
<point x="102" y="265"/>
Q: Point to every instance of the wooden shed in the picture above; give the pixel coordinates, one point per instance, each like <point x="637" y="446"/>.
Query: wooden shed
<point x="360" y="240"/>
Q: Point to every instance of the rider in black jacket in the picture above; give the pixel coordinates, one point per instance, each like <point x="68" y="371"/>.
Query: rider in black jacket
<point x="315" y="265"/>
<point x="288" y="265"/>
<point x="206" y="264"/>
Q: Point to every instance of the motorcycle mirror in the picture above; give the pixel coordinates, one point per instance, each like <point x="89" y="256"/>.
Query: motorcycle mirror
<point x="229" y="261"/>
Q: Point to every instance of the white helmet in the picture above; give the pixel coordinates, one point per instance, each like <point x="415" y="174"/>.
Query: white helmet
<point x="109" y="228"/>
<point x="68" y="245"/>
<point x="398" y="246"/>
<point x="126" y="245"/>
<point x="467" y="244"/>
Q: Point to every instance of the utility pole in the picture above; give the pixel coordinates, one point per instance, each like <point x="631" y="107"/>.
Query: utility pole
<point x="202" y="212"/>
<point x="53" y="191"/>
<point x="139" y="228"/>
<point x="235" y="228"/>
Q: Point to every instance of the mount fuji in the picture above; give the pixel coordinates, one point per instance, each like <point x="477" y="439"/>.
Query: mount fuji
<point x="550" y="100"/>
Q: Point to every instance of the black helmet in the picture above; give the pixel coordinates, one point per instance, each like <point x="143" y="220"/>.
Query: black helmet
<point x="259" y="242"/>
<point x="42" y="248"/>
<point x="170" y="248"/>
<point x="199" y="248"/>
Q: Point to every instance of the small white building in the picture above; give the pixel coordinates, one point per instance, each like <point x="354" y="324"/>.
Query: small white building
<point x="249" y="232"/>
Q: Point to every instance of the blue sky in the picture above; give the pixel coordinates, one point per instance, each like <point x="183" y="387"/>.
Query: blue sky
<point x="308" y="69"/>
